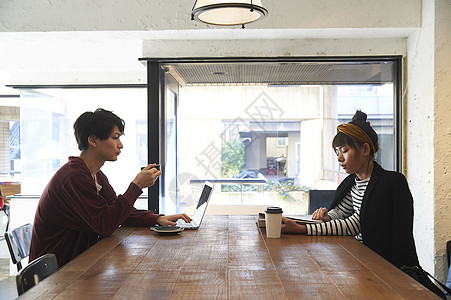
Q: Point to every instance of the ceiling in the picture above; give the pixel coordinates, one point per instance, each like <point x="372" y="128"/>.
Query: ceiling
<point x="112" y="57"/>
<point x="285" y="73"/>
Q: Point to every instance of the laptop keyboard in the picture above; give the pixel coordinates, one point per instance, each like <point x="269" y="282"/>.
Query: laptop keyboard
<point x="182" y="223"/>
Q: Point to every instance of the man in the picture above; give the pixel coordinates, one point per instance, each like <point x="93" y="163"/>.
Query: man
<point x="79" y="207"/>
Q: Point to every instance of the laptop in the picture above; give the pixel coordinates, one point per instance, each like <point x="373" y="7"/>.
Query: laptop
<point x="199" y="213"/>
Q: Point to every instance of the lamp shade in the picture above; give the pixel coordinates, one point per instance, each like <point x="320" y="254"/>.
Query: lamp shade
<point x="228" y="12"/>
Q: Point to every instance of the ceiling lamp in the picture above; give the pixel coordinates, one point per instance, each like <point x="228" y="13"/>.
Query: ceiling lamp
<point x="228" y="12"/>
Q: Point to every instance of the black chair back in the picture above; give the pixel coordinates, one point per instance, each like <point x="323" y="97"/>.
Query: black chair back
<point x="319" y="198"/>
<point x="37" y="270"/>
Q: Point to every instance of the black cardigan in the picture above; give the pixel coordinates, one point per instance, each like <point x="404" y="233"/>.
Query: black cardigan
<point x="386" y="215"/>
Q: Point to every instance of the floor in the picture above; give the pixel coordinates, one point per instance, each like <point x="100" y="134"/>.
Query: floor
<point x="4" y="268"/>
<point x="8" y="289"/>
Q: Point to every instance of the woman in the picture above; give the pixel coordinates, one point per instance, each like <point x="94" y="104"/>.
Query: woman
<point x="371" y="203"/>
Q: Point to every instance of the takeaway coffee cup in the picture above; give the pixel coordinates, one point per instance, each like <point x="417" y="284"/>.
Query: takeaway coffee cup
<point x="273" y="220"/>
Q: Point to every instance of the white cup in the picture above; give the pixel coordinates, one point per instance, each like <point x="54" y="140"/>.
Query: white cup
<point x="273" y="220"/>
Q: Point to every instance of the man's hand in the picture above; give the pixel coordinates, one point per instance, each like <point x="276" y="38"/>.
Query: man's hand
<point x="170" y="220"/>
<point x="147" y="176"/>
<point x="290" y="226"/>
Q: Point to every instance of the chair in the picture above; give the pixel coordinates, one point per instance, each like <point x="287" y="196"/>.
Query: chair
<point x="37" y="270"/>
<point x="6" y="209"/>
<point x="19" y="241"/>
<point x="319" y="198"/>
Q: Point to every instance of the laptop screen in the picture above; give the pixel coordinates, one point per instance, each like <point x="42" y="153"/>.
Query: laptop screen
<point x="205" y="195"/>
<point x="202" y="204"/>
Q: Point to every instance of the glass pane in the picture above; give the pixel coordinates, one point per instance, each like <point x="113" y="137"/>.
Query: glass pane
<point x="169" y="201"/>
<point x="47" y="138"/>
<point x="269" y="145"/>
<point x="10" y="176"/>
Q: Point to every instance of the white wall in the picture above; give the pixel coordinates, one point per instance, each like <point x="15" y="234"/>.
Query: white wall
<point x="99" y="41"/>
<point x="428" y="133"/>
<point x="419" y="132"/>
<point x="151" y="15"/>
<point x="442" y="132"/>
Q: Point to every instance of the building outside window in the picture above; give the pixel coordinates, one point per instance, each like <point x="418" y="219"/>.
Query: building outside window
<point x="47" y="139"/>
<point x="280" y="134"/>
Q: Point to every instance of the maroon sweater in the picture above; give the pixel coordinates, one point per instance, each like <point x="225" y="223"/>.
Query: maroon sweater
<point x="71" y="216"/>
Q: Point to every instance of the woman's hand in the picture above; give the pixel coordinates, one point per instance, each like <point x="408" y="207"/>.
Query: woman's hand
<point x="147" y="176"/>
<point x="170" y="220"/>
<point x="290" y="226"/>
<point x="321" y="214"/>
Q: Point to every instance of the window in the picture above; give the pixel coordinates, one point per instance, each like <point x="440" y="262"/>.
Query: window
<point x="47" y="138"/>
<point x="273" y="121"/>
<point x="9" y="145"/>
<point x="260" y="129"/>
<point x="282" y="142"/>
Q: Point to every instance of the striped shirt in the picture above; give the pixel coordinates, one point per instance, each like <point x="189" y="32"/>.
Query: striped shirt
<point x="345" y="217"/>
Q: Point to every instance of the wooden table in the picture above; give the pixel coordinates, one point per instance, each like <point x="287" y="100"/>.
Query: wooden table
<point x="227" y="258"/>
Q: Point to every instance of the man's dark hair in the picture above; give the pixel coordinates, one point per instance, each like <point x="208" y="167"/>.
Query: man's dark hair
<point x="99" y="123"/>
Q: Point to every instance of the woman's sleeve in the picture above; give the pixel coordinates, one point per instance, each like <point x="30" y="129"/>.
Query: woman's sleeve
<point x="344" y="220"/>
<point x="402" y="218"/>
<point x="347" y="226"/>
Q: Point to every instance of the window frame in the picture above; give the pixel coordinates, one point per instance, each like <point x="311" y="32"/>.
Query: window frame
<point x="155" y="85"/>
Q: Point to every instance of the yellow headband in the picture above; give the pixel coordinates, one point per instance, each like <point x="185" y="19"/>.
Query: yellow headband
<point x="357" y="133"/>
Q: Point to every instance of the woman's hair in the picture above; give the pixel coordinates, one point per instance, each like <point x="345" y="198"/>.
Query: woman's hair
<point x="359" y="120"/>
<point x="99" y="123"/>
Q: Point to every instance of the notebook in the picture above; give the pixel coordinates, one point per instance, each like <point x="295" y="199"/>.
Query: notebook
<point x="199" y="213"/>
<point x="304" y="219"/>
<point x="299" y="219"/>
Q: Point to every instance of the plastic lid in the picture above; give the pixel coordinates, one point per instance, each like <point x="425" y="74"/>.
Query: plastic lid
<point x="273" y="210"/>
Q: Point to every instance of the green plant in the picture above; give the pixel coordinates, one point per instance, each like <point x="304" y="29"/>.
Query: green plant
<point x="232" y="158"/>
<point x="283" y="189"/>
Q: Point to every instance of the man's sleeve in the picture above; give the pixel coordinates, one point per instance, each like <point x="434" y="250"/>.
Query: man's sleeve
<point x="141" y="218"/>
<point x="136" y="218"/>
<point x="88" y="211"/>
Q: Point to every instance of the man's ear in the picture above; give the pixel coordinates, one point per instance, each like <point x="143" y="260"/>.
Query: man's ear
<point x="92" y="140"/>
